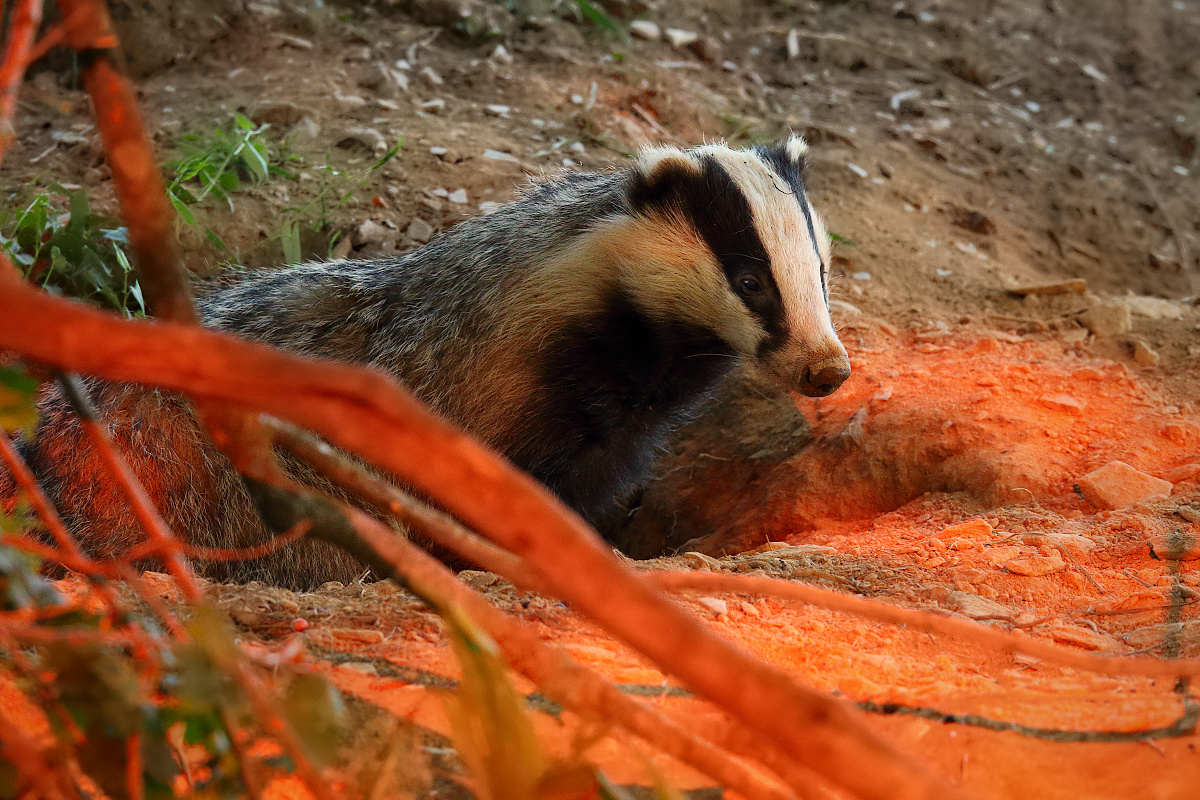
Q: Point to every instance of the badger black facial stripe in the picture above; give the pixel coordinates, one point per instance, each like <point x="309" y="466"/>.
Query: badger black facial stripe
<point x="792" y="172"/>
<point x="711" y="200"/>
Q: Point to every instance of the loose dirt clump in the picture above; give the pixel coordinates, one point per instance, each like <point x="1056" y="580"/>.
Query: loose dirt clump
<point x="1015" y="190"/>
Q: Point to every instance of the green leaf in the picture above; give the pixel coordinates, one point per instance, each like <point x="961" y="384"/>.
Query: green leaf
<point x="289" y="237"/>
<point x="315" y="708"/>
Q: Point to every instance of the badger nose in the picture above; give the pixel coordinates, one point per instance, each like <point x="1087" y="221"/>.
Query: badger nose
<point x="823" y="377"/>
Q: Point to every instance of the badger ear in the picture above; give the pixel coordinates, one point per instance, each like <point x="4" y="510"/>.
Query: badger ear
<point x="796" y="150"/>
<point x="660" y="173"/>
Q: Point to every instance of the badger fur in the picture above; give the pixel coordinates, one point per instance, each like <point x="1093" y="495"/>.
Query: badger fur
<point x="575" y="330"/>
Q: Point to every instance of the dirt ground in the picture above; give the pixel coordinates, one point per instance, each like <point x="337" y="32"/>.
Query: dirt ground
<point x="1016" y="190"/>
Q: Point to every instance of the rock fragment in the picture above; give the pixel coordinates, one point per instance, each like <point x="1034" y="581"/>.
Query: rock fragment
<point x="1072" y="286"/>
<point x="976" y="530"/>
<point x="1035" y="566"/>
<point x="1177" y="545"/>
<point x="645" y="29"/>
<point x="978" y="608"/>
<point x="1118" y="485"/>
<point x="1108" y="318"/>
<point x="419" y="230"/>
<point x="1144" y="355"/>
<point x="370" y="233"/>
<point x="496" y="155"/>
<point x="1084" y="638"/>
<point x="714" y="604"/>
<point x="1061" y="402"/>
<point x="677" y="37"/>
<point x="458" y="196"/>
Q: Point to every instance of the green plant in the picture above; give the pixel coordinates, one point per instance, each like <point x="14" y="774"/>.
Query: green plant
<point x="58" y="242"/>
<point x="218" y="163"/>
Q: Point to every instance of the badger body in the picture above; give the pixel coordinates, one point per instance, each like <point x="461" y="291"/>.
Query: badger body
<point x="575" y="330"/>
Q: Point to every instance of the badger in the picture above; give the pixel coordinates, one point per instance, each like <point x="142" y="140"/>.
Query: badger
<point x="575" y="330"/>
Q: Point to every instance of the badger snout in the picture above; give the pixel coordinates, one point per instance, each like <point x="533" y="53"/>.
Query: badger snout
<point x="822" y="377"/>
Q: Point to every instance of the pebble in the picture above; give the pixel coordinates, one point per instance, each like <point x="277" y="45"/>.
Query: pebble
<point x="577" y="147"/>
<point x="458" y="196"/>
<point x="1144" y="355"/>
<point x="857" y="170"/>
<point x="1087" y="374"/>
<point x="431" y="77"/>
<point x="730" y="66"/>
<point x="1188" y="513"/>
<point x="976" y="529"/>
<point x="749" y="610"/>
<point x="433" y="106"/>
<point x="367" y="137"/>
<point x="1073" y="286"/>
<point x="1182" y="545"/>
<point x="501" y="55"/>
<point x="1153" y="307"/>
<point x="1118" y="485"/>
<point x="861" y="276"/>
<point x="976" y="607"/>
<point x="1035" y="566"/>
<point x="1108" y="318"/>
<point x="793" y="44"/>
<point x="438" y="151"/>
<point x="351" y="100"/>
<point x="677" y="37"/>
<point x="714" y="604"/>
<point x="419" y="230"/>
<point x="496" y="155"/>
<point x="370" y="232"/>
<point x="1061" y="402"/>
<point x="364" y="667"/>
<point x="497" y="110"/>
<point x="645" y="29"/>
<point x="286" y="39"/>
<point x="488" y="206"/>
<point x="1085" y="638"/>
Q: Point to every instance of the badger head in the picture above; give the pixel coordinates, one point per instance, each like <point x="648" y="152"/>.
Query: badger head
<point x="736" y="246"/>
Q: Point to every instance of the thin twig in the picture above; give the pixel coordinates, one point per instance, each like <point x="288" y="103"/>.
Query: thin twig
<point x="924" y="620"/>
<point x="23" y="25"/>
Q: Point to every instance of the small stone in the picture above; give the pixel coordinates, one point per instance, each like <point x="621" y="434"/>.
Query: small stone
<point x="287" y="40"/>
<point x="488" y="206"/>
<point x="677" y="37"/>
<point x="299" y="624"/>
<point x="364" y="667"/>
<point x="276" y="112"/>
<point x="645" y="29"/>
<point x="1085" y="638"/>
<point x="1107" y="319"/>
<point x="748" y="609"/>
<point x="438" y="151"/>
<point x="714" y="604"/>
<point x="1188" y="513"/>
<point x="419" y="230"/>
<point x="431" y="77"/>
<point x="1073" y="286"/>
<point x="366" y="137"/>
<point x="496" y="155"/>
<point x="501" y="55"/>
<point x="1035" y="566"/>
<point x="458" y="196"/>
<point x="1184" y="472"/>
<point x="793" y="44"/>
<point x="370" y="233"/>
<point x="349" y="100"/>
<point x="1153" y="307"/>
<point x="976" y="607"/>
<point x="497" y="110"/>
<point x="730" y="66"/>
<point x="1118" y="485"/>
<point x="1087" y="374"/>
<point x="433" y="106"/>
<point x="1144" y="356"/>
<point x="378" y="79"/>
<point x="1061" y="402"/>
<point x="1177" y="545"/>
<point x="577" y="147"/>
<point x="976" y="530"/>
<point x="999" y="556"/>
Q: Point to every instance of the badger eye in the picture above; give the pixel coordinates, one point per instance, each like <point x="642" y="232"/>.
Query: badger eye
<point x="749" y="284"/>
